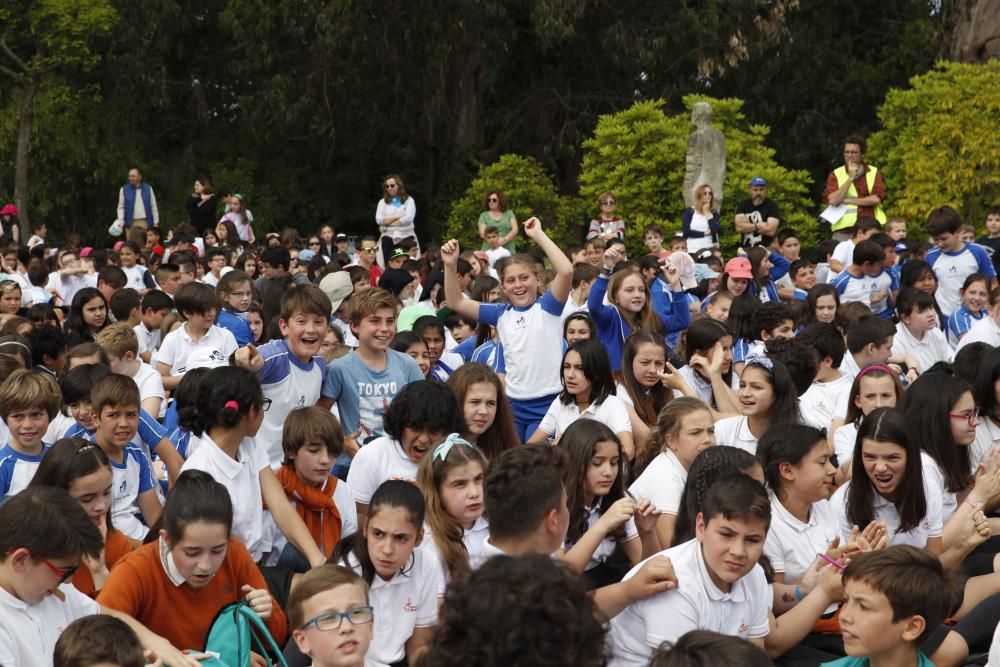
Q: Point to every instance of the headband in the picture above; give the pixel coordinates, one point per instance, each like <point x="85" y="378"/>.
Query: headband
<point x="442" y="450"/>
<point x="875" y="367"/>
<point x="759" y="360"/>
<point x="14" y="342"/>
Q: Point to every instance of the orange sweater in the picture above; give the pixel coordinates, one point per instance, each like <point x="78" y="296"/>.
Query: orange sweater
<point x="139" y="586"/>
<point x="117" y="546"/>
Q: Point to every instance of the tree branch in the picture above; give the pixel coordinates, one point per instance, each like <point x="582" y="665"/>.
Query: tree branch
<point x="13" y="56"/>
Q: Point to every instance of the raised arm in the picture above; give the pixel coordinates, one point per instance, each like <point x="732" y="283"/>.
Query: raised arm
<point x="453" y="296"/>
<point x="563" y="282"/>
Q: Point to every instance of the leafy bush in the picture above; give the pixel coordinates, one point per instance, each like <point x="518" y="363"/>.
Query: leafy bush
<point x="529" y="191"/>
<point x="639" y="154"/>
<point x="940" y="143"/>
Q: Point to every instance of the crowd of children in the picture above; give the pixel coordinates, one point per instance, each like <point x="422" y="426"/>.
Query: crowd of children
<point x="463" y="456"/>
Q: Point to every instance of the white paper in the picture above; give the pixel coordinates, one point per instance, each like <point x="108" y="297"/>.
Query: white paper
<point x="833" y="213"/>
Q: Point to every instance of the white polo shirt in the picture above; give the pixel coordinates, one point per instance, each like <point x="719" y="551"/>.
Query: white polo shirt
<point x="474" y="541"/>
<point x="931" y="349"/>
<point x="843" y="442"/>
<point x="343" y="499"/>
<point x="702" y="387"/>
<point x="792" y="545"/>
<point x="885" y="511"/>
<point x="849" y="367"/>
<point x="696" y="604"/>
<point x="612" y="412"/>
<point x="380" y="460"/>
<point x="823" y="401"/>
<point x="129" y="479"/>
<point x="407" y="601"/>
<point x="608" y="544"/>
<point x="28" y="633"/>
<point x="735" y="432"/>
<point x="934" y="481"/>
<point x="241" y="477"/>
<point x="178" y="345"/>
<point x="662" y="483"/>
<point x="150" y="385"/>
<point x="987" y="437"/>
<point x="983" y="331"/>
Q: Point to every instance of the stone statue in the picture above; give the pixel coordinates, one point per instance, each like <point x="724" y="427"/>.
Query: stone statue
<point x="706" y="156"/>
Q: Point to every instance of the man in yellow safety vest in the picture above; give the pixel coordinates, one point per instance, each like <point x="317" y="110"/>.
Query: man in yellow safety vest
<point x="856" y="185"/>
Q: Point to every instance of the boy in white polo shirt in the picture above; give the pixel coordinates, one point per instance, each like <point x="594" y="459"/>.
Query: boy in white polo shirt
<point x="722" y="588"/>
<point x="826" y="399"/>
<point x="867" y="280"/>
<point x="122" y="345"/>
<point x="44" y="532"/>
<point x="199" y="305"/>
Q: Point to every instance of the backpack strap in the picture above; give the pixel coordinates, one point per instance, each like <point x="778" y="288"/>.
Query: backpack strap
<point x="262" y="638"/>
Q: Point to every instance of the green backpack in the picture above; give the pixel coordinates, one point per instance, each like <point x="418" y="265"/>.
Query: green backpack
<point x="236" y="630"/>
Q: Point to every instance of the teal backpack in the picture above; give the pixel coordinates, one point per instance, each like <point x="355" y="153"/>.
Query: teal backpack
<point x="236" y="630"/>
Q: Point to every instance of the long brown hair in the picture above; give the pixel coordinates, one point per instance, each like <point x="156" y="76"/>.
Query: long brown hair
<point x="646" y="319"/>
<point x="667" y="423"/>
<point x="445" y="530"/>
<point x="501" y="434"/>
<point x="647" y="404"/>
<point x="400" y="191"/>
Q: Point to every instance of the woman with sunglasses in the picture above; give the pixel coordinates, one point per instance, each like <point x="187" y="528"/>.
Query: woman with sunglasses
<point x="495" y="214"/>
<point x="607" y="225"/>
<point x="394" y="216"/>
<point x="700" y="224"/>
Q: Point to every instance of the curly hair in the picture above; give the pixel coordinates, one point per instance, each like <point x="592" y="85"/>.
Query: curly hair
<point x="423" y="404"/>
<point x="523" y="610"/>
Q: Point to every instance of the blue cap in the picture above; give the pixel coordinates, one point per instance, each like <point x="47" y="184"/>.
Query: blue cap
<point x="902" y="247"/>
<point x="757" y="180"/>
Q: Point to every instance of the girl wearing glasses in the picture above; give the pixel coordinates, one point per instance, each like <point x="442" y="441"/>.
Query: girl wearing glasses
<point x="226" y="415"/>
<point x="607" y="225"/>
<point x="495" y="214"/>
<point x="191" y="568"/>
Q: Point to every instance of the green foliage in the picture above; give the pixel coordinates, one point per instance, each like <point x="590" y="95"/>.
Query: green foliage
<point x="529" y="191"/>
<point x="45" y="35"/>
<point x="940" y="143"/>
<point x="639" y="155"/>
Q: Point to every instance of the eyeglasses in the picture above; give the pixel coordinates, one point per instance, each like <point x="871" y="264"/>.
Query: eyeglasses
<point x="391" y="185"/>
<point x="492" y="200"/>
<point x="331" y="621"/>
<point x="608" y="202"/>
<point x="64" y="574"/>
<point x="312" y="243"/>
<point x="370" y="251"/>
<point x="971" y="416"/>
<point x="266" y="404"/>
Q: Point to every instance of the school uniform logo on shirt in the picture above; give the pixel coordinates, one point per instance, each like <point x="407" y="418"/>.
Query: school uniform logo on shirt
<point x="744" y="630"/>
<point x="409" y="607"/>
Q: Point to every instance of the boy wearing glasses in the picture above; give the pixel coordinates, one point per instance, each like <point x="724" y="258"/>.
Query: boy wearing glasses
<point x="366" y="259"/>
<point x="331" y="618"/>
<point x="43" y="534"/>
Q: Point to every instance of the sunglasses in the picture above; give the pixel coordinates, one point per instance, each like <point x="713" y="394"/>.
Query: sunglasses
<point x="391" y="185"/>
<point x="608" y="202"/>
<point x="312" y="243"/>
<point x="492" y="199"/>
<point x="370" y="251"/>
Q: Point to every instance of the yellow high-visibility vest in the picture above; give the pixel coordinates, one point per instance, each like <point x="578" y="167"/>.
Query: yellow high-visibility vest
<point x="851" y="216"/>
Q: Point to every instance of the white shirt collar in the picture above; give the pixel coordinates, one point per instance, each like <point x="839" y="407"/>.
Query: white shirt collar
<point x="167" y="561"/>
<point x="737" y="592"/>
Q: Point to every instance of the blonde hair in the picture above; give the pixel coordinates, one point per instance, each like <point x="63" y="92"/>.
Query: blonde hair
<point x="668" y="423"/>
<point x="118" y="339"/>
<point x="24" y="389"/>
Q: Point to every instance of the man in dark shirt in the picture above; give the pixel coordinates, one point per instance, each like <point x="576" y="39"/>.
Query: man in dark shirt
<point x="757" y="218"/>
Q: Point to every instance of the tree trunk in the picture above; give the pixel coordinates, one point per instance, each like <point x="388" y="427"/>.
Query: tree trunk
<point x="28" y="89"/>
<point x="975" y="33"/>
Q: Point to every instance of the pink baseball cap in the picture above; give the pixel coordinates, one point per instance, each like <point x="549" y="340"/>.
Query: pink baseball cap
<point x="739" y="267"/>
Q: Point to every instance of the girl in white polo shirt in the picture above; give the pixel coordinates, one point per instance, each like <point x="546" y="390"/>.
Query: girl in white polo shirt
<point x="404" y="581"/>
<point x="874" y="387"/>
<point x="767" y="396"/>
<point x="451" y="480"/>
<point x="588" y="391"/>
<point x="684" y="430"/>
<point x="226" y="415"/>
<point x="601" y="514"/>
<point x="420" y="416"/>
<point x="709" y="371"/>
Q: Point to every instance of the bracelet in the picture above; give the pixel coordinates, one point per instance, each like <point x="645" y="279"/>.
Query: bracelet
<point x="974" y="504"/>
<point x="606" y="272"/>
<point x="798" y="593"/>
